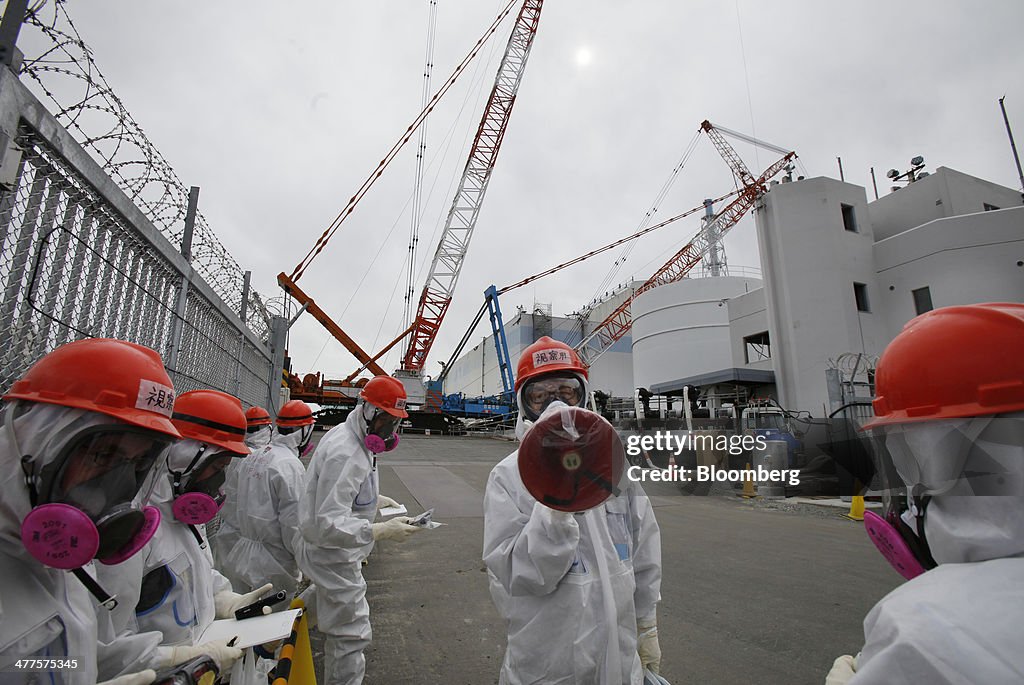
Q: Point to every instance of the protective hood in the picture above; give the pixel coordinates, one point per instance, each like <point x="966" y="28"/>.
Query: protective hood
<point x="43" y="431"/>
<point x="523" y="424"/>
<point x="290" y="441"/>
<point x="980" y="515"/>
<point x="259" y="439"/>
<point x="974" y="528"/>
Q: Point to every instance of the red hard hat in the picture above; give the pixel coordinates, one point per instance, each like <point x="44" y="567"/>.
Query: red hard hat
<point x="547" y="355"/>
<point x="113" y="377"/>
<point x="295" y="413"/>
<point x="954" y="362"/>
<point x="213" y="417"/>
<point x="256" y="416"/>
<point x="387" y="393"/>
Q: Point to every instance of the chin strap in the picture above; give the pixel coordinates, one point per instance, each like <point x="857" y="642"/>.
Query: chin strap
<point x="922" y="551"/>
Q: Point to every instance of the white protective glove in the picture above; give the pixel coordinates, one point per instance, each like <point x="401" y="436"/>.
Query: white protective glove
<point x="226" y="602"/>
<point x="647" y="645"/>
<point x="383" y="502"/>
<point x="217" y="650"/>
<point x="554" y="516"/>
<point x="843" y="669"/>
<point x="397" y="529"/>
<point x="141" y="678"/>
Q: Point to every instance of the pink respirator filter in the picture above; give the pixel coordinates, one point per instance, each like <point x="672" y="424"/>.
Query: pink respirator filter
<point x="195" y="508"/>
<point x="60" y="536"/>
<point x="892" y="546"/>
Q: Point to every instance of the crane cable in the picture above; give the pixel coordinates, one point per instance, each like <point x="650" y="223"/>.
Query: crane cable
<point x="547" y="272"/>
<point x="624" y="255"/>
<point x="421" y="152"/>
<point x="329" y="232"/>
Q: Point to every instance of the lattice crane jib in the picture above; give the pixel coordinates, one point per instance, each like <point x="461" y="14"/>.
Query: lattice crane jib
<point x="619" y="322"/>
<point x="465" y="209"/>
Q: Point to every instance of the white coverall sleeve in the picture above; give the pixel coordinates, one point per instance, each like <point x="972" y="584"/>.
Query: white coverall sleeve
<point x="125" y="653"/>
<point x="332" y="523"/>
<point x="647" y="557"/>
<point x="903" y="649"/>
<point x="529" y="552"/>
<point x="220" y="583"/>
<point x="286" y="488"/>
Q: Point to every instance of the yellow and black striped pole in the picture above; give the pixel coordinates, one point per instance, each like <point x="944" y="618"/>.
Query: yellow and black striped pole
<point x="295" y="663"/>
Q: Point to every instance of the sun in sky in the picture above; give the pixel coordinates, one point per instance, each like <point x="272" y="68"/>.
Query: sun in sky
<point x="583" y="56"/>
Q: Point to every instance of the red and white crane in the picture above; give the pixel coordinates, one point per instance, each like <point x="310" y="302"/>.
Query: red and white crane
<point x="619" y="322"/>
<point x="462" y="217"/>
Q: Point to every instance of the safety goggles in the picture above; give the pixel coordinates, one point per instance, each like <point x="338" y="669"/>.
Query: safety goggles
<point x="539" y="393"/>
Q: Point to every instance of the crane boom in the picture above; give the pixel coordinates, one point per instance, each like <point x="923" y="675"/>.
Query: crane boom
<point x="618" y="323"/>
<point x="289" y="286"/>
<point x="465" y="209"/>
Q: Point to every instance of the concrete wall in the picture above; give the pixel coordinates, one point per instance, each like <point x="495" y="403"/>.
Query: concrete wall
<point x="810" y="264"/>
<point x="961" y="260"/>
<point x="682" y="329"/>
<point x="748" y="315"/>
<point x="945" y="193"/>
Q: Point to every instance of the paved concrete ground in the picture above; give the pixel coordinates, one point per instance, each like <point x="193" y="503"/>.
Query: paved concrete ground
<point x="753" y="592"/>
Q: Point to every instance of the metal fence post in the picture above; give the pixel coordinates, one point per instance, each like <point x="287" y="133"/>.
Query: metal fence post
<point x="242" y="312"/>
<point x="278" y="342"/>
<point x="186" y="252"/>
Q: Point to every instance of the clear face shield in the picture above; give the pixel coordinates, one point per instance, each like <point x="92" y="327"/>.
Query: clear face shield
<point x="381" y="429"/>
<point x="198" y="493"/>
<point x="949" y="458"/>
<point x="90" y="500"/>
<point x="538" y="393"/>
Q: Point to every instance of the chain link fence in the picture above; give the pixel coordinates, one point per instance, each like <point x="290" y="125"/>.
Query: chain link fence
<point x="73" y="266"/>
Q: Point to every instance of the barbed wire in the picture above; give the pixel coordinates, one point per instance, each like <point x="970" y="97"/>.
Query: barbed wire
<point x="65" y="73"/>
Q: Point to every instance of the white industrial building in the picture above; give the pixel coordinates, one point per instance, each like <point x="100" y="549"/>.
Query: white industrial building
<point x="840" y="276"/>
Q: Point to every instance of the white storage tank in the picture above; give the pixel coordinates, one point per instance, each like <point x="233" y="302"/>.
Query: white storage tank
<point x="681" y="329"/>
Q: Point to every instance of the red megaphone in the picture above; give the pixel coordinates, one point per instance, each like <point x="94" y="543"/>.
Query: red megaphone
<point x="571" y="459"/>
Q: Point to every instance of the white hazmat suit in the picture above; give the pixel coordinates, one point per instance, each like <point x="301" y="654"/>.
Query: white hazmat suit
<point x="336" y="533"/>
<point x="179" y="591"/>
<point x="47" y="612"/>
<point x="336" y="513"/>
<point x="226" y="533"/>
<point x="959" y="622"/>
<point x="268" y="487"/>
<point x="571" y="587"/>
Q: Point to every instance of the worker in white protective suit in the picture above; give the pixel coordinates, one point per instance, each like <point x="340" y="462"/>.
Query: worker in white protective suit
<point x="269" y="485"/>
<point x="336" y="526"/>
<point x="949" y="426"/>
<point x="180" y="593"/>
<point x="83" y="433"/>
<point x="258" y="431"/>
<point x="578" y="591"/>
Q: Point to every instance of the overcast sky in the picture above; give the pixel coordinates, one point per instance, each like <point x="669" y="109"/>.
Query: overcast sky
<point x="279" y="111"/>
